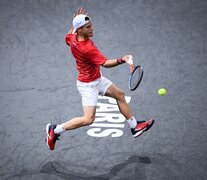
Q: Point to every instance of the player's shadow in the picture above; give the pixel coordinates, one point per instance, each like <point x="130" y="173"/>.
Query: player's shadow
<point x="138" y="162"/>
<point x="138" y="170"/>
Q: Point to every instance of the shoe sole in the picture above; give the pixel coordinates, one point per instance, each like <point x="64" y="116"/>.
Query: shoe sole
<point x="146" y="129"/>
<point x="47" y="130"/>
<point x="139" y="133"/>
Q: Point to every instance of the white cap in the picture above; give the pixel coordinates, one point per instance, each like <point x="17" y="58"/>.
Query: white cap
<point x="79" y="21"/>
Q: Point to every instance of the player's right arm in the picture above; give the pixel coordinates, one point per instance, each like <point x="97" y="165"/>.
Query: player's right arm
<point x="79" y="11"/>
<point x="115" y="62"/>
<point x="70" y="31"/>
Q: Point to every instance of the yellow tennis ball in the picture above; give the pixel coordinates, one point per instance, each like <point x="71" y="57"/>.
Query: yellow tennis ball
<point x="162" y="92"/>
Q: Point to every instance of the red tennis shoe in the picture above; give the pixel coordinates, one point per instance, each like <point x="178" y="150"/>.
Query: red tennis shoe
<point x="141" y="127"/>
<point x="51" y="136"/>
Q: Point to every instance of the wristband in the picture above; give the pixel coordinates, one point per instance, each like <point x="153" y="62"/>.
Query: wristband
<point x="120" y="60"/>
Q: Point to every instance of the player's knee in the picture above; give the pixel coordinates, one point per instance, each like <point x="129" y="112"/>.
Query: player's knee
<point x="120" y="95"/>
<point x="89" y="120"/>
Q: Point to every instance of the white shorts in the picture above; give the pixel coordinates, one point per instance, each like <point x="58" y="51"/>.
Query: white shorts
<point x="90" y="91"/>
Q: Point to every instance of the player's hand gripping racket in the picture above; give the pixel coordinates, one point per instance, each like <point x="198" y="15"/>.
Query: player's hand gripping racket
<point x="136" y="74"/>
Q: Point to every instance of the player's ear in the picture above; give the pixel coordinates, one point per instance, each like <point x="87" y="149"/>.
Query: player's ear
<point x="79" y="29"/>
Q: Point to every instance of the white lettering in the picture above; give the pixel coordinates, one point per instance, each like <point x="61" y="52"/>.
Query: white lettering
<point x="107" y="125"/>
<point x="103" y="107"/>
<point x="110" y="117"/>
<point x="113" y="101"/>
<point x="96" y="132"/>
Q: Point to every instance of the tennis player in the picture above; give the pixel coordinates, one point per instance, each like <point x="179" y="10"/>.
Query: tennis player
<point x="91" y="83"/>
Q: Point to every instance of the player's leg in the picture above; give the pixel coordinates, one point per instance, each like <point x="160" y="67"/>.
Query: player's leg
<point x="119" y="95"/>
<point x="54" y="131"/>
<point x="137" y="127"/>
<point x="86" y="119"/>
<point x="89" y="93"/>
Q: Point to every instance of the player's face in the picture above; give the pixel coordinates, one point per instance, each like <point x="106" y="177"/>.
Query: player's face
<point x="87" y="30"/>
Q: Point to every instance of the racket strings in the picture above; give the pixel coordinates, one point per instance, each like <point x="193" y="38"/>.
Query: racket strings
<point x="136" y="78"/>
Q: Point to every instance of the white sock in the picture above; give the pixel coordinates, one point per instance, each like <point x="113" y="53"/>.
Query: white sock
<point x="132" y="122"/>
<point x="59" y="129"/>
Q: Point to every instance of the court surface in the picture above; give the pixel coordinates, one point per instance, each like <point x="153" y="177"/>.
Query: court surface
<point x="38" y="85"/>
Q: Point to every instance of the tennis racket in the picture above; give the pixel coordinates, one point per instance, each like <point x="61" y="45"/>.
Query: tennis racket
<point x="136" y="74"/>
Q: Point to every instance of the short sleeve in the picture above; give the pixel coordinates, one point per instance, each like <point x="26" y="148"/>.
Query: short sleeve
<point x="96" y="57"/>
<point x="69" y="38"/>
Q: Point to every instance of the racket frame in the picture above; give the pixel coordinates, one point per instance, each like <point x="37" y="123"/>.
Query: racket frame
<point x="133" y="68"/>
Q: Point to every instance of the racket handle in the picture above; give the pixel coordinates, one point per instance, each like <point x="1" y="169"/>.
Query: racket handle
<point x="131" y="68"/>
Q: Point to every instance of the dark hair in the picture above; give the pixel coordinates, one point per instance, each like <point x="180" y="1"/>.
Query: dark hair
<point x="87" y="18"/>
